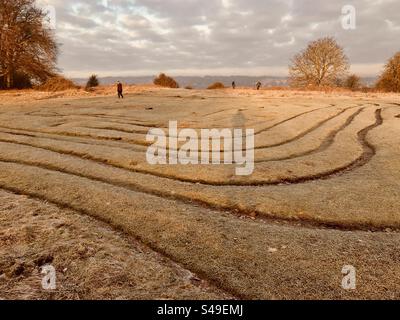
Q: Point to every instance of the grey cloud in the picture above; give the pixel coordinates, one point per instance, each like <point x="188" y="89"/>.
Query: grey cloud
<point x="107" y="36"/>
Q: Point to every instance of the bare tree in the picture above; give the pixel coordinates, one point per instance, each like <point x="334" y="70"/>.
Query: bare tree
<point x="26" y="46"/>
<point x="322" y="63"/>
<point x="390" y="78"/>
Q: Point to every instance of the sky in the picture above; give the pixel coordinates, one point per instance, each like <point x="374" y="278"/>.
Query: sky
<point x="216" y="37"/>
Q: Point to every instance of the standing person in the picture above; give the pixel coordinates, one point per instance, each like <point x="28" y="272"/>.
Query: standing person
<point x="233" y="85"/>
<point x="258" y="85"/>
<point x="120" y="90"/>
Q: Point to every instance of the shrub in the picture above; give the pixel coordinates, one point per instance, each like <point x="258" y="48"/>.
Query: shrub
<point x="57" y="83"/>
<point x="353" y="82"/>
<point x="365" y="89"/>
<point x="164" y="81"/>
<point x="189" y="88"/>
<point x="216" y="85"/>
<point x="390" y="78"/>
<point x="92" y="82"/>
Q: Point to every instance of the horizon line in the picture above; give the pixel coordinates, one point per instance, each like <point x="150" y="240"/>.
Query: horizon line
<point x="362" y="70"/>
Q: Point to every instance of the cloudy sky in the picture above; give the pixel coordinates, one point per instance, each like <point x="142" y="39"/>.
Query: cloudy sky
<point x="216" y="37"/>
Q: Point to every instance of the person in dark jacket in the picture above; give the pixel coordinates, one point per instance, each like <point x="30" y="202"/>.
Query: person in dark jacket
<point x="120" y="90"/>
<point x="233" y="85"/>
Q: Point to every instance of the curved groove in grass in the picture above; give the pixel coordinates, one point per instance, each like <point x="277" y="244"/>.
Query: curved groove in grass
<point x="64" y="205"/>
<point x="325" y="144"/>
<point x="234" y="210"/>
<point x="145" y="144"/>
<point x="368" y="152"/>
<point x="256" y="133"/>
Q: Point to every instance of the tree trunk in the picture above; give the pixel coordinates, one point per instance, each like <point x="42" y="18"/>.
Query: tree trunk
<point x="9" y="80"/>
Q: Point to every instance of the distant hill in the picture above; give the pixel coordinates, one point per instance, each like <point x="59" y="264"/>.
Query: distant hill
<point x="196" y="82"/>
<point x="204" y="82"/>
<point x="369" y="81"/>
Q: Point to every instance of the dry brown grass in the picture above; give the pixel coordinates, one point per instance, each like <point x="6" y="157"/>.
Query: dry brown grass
<point x="56" y="84"/>
<point x="92" y="260"/>
<point x="275" y="240"/>
<point x="306" y="263"/>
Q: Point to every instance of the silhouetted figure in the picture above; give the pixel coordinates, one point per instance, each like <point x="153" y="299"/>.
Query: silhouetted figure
<point x="258" y="85"/>
<point x="120" y="90"/>
<point x="233" y="85"/>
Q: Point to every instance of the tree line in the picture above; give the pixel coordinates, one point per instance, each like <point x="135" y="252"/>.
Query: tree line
<point x="28" y="56"/>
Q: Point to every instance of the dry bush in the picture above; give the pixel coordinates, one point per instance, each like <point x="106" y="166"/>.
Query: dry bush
<point x="365" y="89"/>
<point x="325" y="89"/>
<point x="165" y="81"/>
<point x="57" y="83"/>
<point x="389" y="81"/>
<point x="353" y="82"/>
<point x="322" y="63"/>
<point x="276" y="88"/>
<point x="216" y="85"/>
<point x="189" y="88"/>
